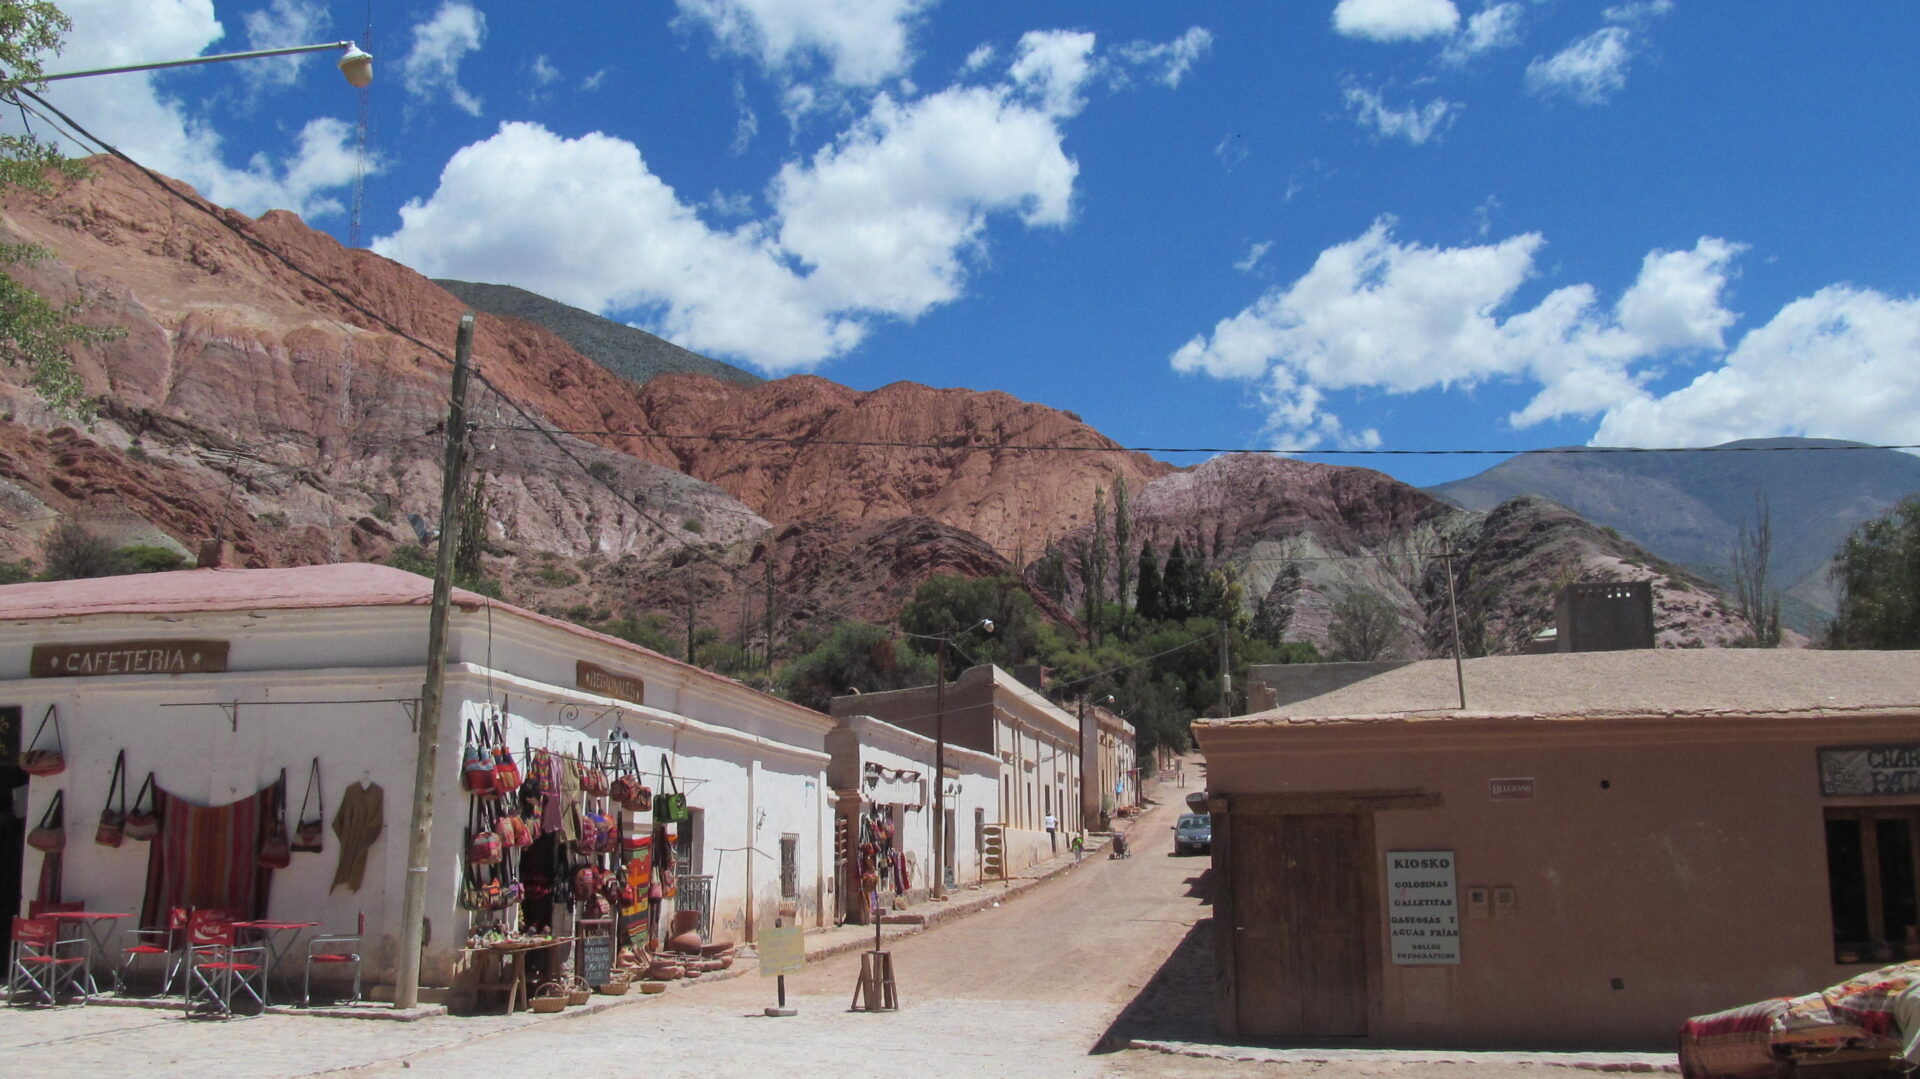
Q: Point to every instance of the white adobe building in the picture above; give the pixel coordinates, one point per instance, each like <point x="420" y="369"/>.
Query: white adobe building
<point x="216" y="680"/>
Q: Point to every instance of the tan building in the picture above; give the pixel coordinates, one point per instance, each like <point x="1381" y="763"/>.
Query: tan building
<point x="1600" y="846"/>
<point x="1107" y="753"/>
<point x="1038" y="745"/>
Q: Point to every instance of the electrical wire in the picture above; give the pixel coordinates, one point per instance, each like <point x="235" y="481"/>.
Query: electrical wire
<point x="801" y="442"/>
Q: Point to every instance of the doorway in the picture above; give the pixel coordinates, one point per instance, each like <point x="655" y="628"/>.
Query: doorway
<point x="1300" y="917"/>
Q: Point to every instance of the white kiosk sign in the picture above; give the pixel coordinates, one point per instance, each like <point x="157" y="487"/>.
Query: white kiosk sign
<point x="1423" y="909"/>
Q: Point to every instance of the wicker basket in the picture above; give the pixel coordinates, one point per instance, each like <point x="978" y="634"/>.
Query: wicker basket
<point x="578" y="991"/>
<point x="549" y="998"/>
<point x="651" y="988"/>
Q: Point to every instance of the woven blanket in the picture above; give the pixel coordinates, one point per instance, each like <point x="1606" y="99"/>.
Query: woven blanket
<point x="1734" y="1044"/>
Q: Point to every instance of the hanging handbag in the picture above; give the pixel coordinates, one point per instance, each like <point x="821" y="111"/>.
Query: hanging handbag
<point x="143" y="824"/>
<point x="276" y="851"/>
<point x="36" y="761"/>
<point x="308" y="831"/>
<point x="483" y="843"/>
<point x="593" y="781"/>
<point x="506" y="772"/>
<point x="50" y="835"/>
<point x="476" y="764"/>
<point x="113" y="822"/>
<point x="670" y="806"/>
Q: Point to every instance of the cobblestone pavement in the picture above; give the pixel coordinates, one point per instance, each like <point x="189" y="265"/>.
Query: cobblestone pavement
<point x="1055" y="979"/>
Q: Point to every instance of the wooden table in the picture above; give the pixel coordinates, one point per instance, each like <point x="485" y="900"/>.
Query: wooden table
<point x="511" y="970"/>
<point x="94" y="925"/>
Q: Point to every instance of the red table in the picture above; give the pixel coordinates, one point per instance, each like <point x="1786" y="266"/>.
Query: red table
<point x="279" y="938"/>
<point x="95" y="926"/>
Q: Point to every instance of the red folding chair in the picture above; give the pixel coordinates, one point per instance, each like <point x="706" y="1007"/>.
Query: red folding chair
<point x="219" y="969"/>
<point x="43" y="964"/>
<point x="335" y="950"/>
<point x="168" y="944"/>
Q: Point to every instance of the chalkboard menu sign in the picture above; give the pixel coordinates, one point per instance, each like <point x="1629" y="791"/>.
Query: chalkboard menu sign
<point x="595" y="962"/>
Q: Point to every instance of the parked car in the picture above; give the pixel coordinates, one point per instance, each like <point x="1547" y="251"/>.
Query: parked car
<point x="1194" y="833"/>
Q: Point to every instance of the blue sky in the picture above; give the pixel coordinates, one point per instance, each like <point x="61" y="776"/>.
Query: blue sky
<point x="1316" y="224"/>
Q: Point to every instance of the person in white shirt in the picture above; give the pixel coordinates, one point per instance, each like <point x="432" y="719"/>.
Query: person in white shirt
<point x="1053" y="833"/>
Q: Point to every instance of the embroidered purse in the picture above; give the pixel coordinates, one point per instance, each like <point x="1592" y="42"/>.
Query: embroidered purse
<point x="113" y="822"/>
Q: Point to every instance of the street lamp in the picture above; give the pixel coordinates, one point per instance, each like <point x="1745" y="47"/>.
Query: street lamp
<point x="356" y="65"/>
<point x="985" y="625"/>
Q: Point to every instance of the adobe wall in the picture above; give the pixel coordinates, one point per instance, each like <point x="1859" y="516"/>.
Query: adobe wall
<point x="1664" y="870"/>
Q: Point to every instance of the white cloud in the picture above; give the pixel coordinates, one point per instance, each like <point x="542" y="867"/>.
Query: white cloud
<point x="1052" y="67"/>
<point x="1589" y="71"/>
<point x="880" y="224"/>
<point x="862" y="42"/>
<point x="1395" y="20"/>
<point x="1254" y="255"/>
<point x="1166" y="63"/>
<point x="1493" y="27"/>
<point x="748" y="125"/>
<point x="432" y="67"/>
<point x="282" y="24"/>
<point x="1637" y="12"/>
<point x="1231" y="150"/>
<point x="1839" y="363"/>
<point x="592" y="82"/>
<point x="1376" y="313"/>
<point x="164" y="133"/>
<point x="543" y="71"/>
<point x="1414" y="123"/>
<point x="884" y="215"/>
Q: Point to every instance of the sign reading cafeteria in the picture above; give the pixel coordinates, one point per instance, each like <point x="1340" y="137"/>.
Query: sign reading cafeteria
<point x="1423" y="910"/>
<point x="128" y="657"/>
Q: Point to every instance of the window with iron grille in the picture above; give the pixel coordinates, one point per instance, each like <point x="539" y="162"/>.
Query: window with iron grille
<point x="790" y="866"/>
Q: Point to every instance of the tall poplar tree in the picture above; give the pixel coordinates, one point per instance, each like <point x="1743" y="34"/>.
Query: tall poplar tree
<point x="1149" y="603"/>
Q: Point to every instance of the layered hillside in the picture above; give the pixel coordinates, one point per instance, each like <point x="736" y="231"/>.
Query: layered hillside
<point x="1689" y="508"/>
<point x="248" y="401"/>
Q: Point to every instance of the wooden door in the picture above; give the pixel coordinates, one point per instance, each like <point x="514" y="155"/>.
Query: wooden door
<point x="1300" y="918"/>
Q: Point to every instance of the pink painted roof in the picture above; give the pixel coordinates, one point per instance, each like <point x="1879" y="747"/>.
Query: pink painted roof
<point x="345" y="584"/>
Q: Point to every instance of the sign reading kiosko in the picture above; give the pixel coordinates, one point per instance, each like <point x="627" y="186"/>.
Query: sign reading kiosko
<point x="128" y="657"/>
<point x="597" y="679"/>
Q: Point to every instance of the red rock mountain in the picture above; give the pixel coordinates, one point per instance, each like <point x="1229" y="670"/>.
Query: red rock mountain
<point x="247" y="398"/>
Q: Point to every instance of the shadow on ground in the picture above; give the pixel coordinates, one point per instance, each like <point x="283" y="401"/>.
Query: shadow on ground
<point x="1176" y="1004"/>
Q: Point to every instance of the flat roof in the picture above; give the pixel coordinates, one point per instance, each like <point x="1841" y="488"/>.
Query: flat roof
<point x="1641" y="683"/>
<point x="331" y="586"/>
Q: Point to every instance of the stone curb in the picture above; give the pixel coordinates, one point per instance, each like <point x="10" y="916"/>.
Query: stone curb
<point x="1647" y="1063"/>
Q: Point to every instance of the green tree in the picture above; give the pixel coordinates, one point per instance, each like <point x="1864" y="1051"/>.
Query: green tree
<point x="1275" y="612"/>
<point x="856" y="657"/>
<point x="34" y="333"/>
<point x="949" y="605"/>
<point x="1149" y="601"/>
<point x="1878" y="572"/>
<point x="1176" y="584"/>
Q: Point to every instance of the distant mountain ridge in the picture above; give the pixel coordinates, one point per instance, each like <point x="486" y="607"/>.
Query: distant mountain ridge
<point x="632" y="353"/>
<point x="1688" y="507"/>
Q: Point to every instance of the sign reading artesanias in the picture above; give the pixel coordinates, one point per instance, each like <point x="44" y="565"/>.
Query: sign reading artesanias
<point x="1423" y="911"/>
<point x="128" y="657"/>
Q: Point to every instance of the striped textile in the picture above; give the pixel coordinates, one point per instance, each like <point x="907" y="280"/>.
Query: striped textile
<point x="207" y="857"/>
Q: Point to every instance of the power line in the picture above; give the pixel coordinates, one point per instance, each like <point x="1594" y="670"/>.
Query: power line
<point x="802" y="441"/>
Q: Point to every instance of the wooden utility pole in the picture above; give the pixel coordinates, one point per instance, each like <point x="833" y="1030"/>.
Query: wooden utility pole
<point x="413" y="897"/>
<point x="1459" y="673"/>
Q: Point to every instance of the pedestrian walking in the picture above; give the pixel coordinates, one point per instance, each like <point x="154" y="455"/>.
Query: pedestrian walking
<point x="1079" y="847"/>
<point x="1052" y="824"/>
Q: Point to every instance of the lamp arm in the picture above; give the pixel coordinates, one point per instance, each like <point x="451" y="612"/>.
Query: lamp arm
<point x="342" y="45"/>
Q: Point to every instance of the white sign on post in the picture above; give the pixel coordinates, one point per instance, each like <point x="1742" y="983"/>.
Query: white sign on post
<point x="1423" y="908"/>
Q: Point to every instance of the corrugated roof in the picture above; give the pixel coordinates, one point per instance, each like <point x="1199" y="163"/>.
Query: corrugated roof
<point x="1639" y="683"/>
